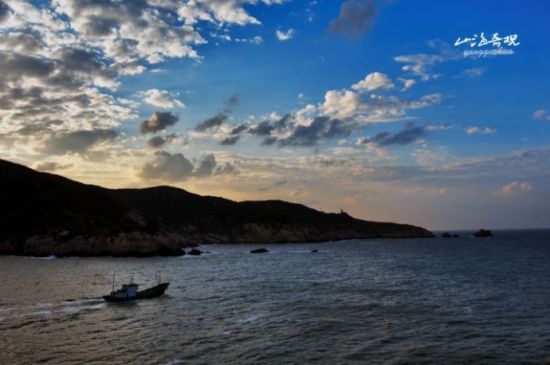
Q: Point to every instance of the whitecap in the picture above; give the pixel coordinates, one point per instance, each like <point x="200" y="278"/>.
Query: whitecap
<point x="43" y="305"/>
<point x="251" y="318"/>
<point x="44" y="313"/>
<point x="86" y="306"/>
<point x="51" y="257"/>
<point x="71" y="310"/>
<point x="94" y="306"/>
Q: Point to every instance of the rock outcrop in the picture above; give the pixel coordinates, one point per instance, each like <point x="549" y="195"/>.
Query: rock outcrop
<point x="260" y="250"/>
<point x="121" y="244"/>
<point x="483" y="233"/>
<point x="46" y="214"/>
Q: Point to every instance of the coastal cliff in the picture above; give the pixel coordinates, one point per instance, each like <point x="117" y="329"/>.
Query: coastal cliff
<point x="46" y="214"/>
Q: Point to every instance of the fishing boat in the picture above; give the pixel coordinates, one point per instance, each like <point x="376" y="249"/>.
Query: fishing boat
<point x="130" y="291"/>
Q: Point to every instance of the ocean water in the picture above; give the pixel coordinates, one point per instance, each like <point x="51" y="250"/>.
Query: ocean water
<point x="432" y="301"/>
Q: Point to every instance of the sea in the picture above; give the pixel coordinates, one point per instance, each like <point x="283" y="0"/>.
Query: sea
<point x="381" y="301"/>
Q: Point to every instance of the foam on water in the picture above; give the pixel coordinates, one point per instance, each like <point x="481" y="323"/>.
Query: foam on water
<point x="51" y="257"/>
<point x="71" y="310"/>
<point x="44" y="313"/>
<point x="251" y="318"/>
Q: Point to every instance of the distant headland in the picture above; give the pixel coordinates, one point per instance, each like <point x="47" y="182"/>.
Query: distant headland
<point x="45" y="214"/>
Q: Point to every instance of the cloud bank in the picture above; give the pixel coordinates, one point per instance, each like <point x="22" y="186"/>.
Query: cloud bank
<point x="176" y="167"/>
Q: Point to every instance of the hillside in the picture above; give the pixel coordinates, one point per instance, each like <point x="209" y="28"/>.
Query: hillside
<point x="45" y="214"/>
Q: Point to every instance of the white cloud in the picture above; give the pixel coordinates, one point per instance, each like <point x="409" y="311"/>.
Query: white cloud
<point x="421" y="64"/>
<point x="480" y="130"/>
<point x="161" y="98"/>
<point x="257" y="40"/>
<point x="341" y="104"/>
<point x="375" y="108"/>
<point x="407" y="83"/>
<point x="373" y="81"/>
<point x="473" y="72"/>
<point x="541" y="114"/>
<point x="61" y="61"/>
<point x="516" y="187"/>
<point x="222" y="36"/>
<point x="285" y="36"/>
<point x="305" y="115"/>
<point x="218" y="11"/>
<point x="440" y="127"/>
<point x="254" y="40"/>
<point x="130" y="31"/>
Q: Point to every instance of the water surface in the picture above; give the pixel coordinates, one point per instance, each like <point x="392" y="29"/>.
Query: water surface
<point x="462" y="300"/>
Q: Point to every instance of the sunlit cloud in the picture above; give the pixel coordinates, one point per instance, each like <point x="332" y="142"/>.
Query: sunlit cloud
<point x="161" y="99"/>
<point x="231" y="98"/>
<point x="374" y="81"/>
<point x="516" y="187"/>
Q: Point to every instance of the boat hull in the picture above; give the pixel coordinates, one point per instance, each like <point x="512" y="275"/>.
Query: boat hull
<point x="153" y="292"/>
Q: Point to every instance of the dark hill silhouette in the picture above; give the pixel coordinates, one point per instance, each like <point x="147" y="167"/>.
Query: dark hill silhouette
<point x="44" y="214"/>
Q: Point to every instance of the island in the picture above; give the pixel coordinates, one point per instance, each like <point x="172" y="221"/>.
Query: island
<point x="483" y="233"/>
<point x="46" y="214"/>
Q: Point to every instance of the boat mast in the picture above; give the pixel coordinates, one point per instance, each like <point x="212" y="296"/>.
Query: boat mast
<point x="114" y="274"/>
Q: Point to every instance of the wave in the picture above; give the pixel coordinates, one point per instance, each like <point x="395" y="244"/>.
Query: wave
<point x="251" y="318"/>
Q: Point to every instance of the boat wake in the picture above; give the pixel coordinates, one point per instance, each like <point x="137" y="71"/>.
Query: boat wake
<point x="48" y="311"/>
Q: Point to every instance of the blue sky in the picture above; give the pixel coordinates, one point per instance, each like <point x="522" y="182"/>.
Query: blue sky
<point x="315" y="61"/>
<point x="366" y="106"/>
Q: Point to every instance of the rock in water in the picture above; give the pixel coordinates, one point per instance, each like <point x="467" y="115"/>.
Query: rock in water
<point x="260" y="250"/>
<point x="483" y="233"/>
<point x="194" y="252"/>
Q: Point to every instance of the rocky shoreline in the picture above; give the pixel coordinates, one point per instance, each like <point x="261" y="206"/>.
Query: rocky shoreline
<point x="140" y="244"/>
<point x="135" y="244"/>
<point x="50" y="215"/>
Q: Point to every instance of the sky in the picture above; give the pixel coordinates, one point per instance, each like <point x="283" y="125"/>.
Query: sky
<point x="434" y="113"/>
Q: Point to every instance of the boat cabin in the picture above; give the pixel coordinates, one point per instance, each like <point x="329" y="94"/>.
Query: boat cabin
<point x="127" y="291"/>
